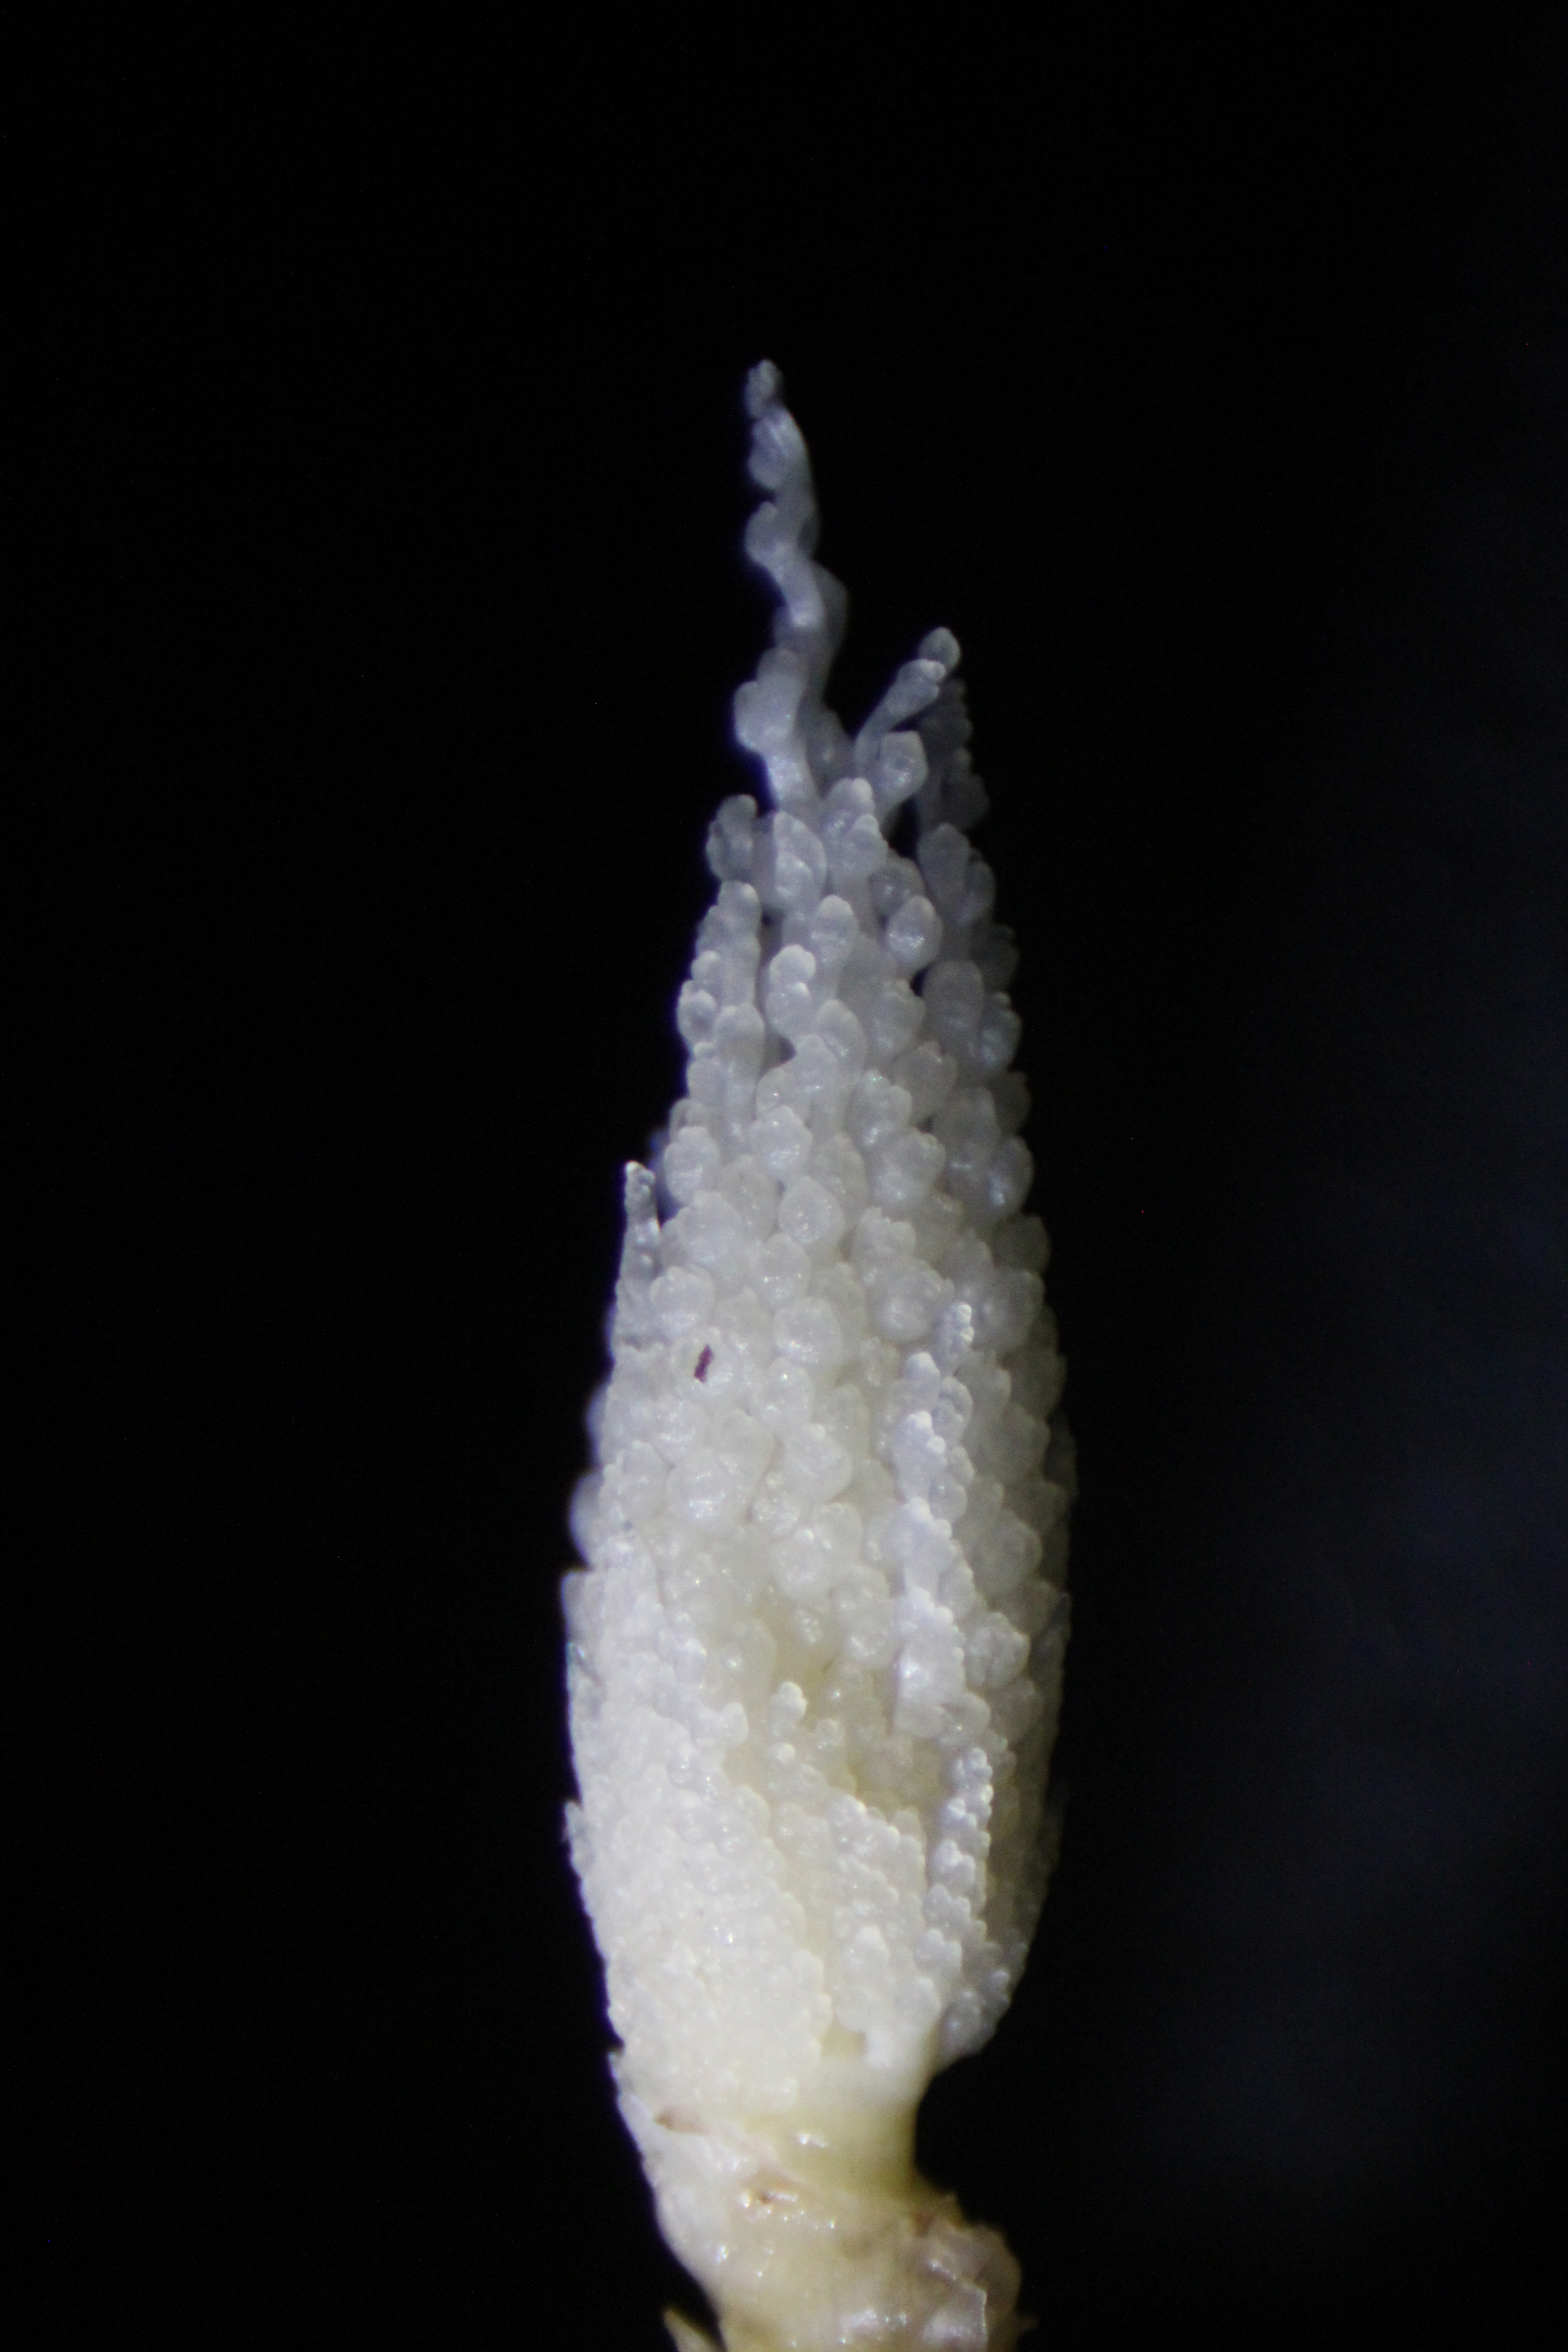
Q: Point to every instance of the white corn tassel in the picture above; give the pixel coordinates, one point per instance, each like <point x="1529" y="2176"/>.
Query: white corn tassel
<point x="815" y="1656"/>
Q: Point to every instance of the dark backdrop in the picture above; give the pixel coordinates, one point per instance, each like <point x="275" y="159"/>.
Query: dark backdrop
<point x="391" y="607"/>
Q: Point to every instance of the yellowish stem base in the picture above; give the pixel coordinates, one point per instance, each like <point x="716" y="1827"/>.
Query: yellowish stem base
<point x="814" y="2233"/>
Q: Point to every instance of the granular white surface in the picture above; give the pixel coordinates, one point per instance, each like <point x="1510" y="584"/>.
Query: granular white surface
<point x="816" y="1654"/>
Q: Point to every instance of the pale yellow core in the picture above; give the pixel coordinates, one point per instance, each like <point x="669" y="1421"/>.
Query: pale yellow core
<point x="834" y="2239"/>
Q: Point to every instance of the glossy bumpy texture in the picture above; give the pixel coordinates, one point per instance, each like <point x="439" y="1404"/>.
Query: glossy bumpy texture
<point x="816" y="1653"/>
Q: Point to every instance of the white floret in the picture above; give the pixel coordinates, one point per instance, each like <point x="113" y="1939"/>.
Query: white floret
<point x="815" y="1653"/>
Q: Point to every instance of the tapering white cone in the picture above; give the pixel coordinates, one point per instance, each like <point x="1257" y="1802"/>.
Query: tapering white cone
<point x="816" y="1654"/>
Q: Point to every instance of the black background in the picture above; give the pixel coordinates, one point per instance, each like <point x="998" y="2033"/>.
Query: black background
<point x="1214" y="391"/>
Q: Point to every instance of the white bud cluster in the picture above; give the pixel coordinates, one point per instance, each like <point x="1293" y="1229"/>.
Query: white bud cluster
<point x="817" y="1655"/>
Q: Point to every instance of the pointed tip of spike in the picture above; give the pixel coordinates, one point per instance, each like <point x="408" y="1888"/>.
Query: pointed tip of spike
<point x="764" y="385"/>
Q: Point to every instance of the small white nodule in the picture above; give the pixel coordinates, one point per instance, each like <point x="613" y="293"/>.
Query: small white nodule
<point x="816" y="1651"/>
